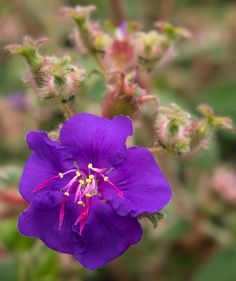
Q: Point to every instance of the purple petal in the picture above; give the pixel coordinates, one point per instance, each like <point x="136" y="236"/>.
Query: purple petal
<point x="41" y="220"/>
<point x="106" y="236"/>
<point x="47" y="160"/>
<point x="140" y="180"/>
<point x="96" y="140"/>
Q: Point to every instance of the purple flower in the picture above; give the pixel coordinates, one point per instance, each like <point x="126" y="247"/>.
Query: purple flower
<point x="86" y="191"/>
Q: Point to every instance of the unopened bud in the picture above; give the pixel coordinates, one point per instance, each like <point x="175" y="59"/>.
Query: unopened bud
<point x="215" y="121"/>
<point x="29" y="50"/>
<point x="172" y="32"/>
<point x="123" y="98"/>
<point x="81" y="16"/>
<point x="171" y="129"/>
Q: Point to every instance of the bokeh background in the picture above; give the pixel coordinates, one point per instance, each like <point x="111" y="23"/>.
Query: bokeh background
<point x="197" y="239"/>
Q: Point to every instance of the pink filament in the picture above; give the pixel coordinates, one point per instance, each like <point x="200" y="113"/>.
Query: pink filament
<point x="70" y="183"/>
<point x="118" y="191"/>
<point x="42" y="185"/>
<point x="47" y="181"/>
<point x="78" y="193"/>
<point x="62" y="213"/>
<point x="83" y="216"/>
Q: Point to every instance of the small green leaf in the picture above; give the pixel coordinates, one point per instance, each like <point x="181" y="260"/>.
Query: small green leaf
<point x="154" y="218"/>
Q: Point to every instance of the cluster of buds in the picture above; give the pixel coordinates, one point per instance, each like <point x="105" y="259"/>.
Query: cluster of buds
<point x="126" y="47"/>
<point x="124" y="97"/>
<point x="50" y="77"/>
<point x="179" y="133"/>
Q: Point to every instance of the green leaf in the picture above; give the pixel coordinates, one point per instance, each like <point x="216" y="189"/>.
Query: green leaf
<point x="220" y="268"/>
<point x="154" y="218"/>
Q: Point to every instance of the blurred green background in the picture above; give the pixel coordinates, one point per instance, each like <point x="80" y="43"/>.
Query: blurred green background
<point x="196" y="241"/>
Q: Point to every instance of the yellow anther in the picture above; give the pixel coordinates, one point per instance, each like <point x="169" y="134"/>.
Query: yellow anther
<point x="91" y="177"/>
<point x="60" y="175"/>
<point x="88" y="180"/>
<point x="88" y="195"/>
<point x="105" y="178"/>
<point x="78" y="174"/>
<point x="80" y="202"/>
<point x="90" y="166"/>
<point x="66" y="194"/>
<point x="81" y="181"/>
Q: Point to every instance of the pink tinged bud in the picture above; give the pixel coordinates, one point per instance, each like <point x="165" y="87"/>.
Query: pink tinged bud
<point x="123" y="98"/>
<point x="223" y="183"/>
<point x="120" y="55"/>
<point x="172" y="129"/>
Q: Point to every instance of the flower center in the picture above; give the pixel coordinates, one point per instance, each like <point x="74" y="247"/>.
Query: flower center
<point x="80" y="190"/>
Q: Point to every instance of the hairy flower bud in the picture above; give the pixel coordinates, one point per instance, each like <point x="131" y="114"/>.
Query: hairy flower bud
<point x="49" y="76"/>
<point x="215" y="121"/>
<point x="149" y="46"/>
<point x="29" y="50"/>
<point x="62" y="79"/>
<point x="81" y="16"/>
<point x="179" y="133"/>
<point x="172" y="32"/>
<point x="120" y="54"/>
<point x="171" y="124"/>
<point x="201" y="130"/>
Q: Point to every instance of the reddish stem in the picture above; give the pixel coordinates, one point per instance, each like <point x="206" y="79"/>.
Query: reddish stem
<point x="11" y="198"/>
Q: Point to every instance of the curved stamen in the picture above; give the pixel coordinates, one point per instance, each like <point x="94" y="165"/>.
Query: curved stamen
<point x="71" y="182"/>
<point x="62" y="212"/>
<point x="42" y="185"/>
<point x="47" y="181"/>
<point x="83" y="216"/>
<point x="97" y="170"/>
<point x="78" y="193"/>
<point x="118" y="191"/>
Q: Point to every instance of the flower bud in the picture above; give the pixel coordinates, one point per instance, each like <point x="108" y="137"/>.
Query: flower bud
<point x="29" y="50"/>
<point x="122" y="98"/>
<point x="120" y="54"/>
<point x="49" y="76"/>
<point x="171" y="32"/>
<point x="81" y="16"/>
<point x="214" y="121"/>
<point x="149" y="45"/>
<point x="62" y="79"/>
<point x="201" y="130"/>
<point x="171" y="129"/>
